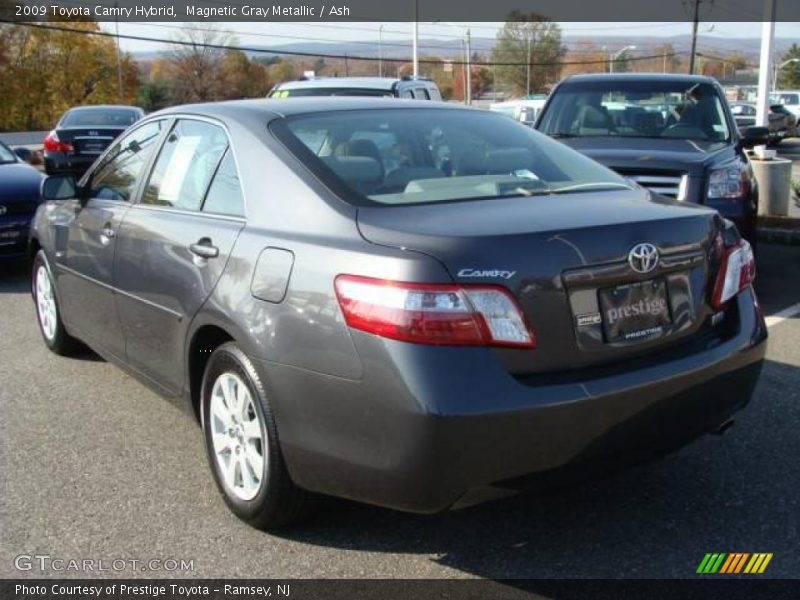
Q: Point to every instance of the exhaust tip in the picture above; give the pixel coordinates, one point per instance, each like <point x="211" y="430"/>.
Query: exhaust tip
<point x="723" y="427"/>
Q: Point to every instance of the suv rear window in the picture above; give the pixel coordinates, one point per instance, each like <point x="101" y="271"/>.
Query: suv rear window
<point x="653" y="109"/>
<point x="416" y="155"/>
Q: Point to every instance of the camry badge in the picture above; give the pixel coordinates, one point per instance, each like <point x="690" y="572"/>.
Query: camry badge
<point x="643" y="258"/>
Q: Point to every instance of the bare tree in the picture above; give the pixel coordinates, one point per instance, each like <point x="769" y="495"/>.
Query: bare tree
<point x="196" y="64"/>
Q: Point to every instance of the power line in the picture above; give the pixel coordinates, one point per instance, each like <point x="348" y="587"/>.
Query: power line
<point x="256" y="50"/>
<point x="398" y="44"/>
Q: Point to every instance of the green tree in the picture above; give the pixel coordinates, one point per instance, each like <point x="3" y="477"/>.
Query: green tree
<point x="532" y="43"/>
<point x="153" y="96"/>
<point x="622" y="62"/>
<point x="789" y="74"/>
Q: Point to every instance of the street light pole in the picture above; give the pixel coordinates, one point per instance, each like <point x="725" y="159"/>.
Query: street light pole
<point x="778" y="68"/>
<point x="765" y="64"/>
<point x="469" y="70"/>
<point x="615" y="55"/>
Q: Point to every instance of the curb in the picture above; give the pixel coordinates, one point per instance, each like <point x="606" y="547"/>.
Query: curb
<point x="770" y="235"/>
<point x="785" y="222"/>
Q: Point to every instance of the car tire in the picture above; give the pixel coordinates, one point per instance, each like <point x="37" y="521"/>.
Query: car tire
<point x="241" y="440"/>
<point x="48" y="312"/>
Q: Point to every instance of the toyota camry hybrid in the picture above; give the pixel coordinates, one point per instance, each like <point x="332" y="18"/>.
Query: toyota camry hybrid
<point x="406" y="304"/>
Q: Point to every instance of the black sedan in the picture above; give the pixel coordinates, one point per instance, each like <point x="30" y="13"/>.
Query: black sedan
<point x="19" y="198"/>
<point x="396" y="303"/>
<point x="83" y="133"/>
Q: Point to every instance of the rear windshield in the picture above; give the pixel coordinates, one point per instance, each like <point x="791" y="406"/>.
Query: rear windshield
<point x="791" y="99"/>
<point x="652" y="109"/>
<point x="323" y="91"/>
<point x="6" y="155"/>
<point x="99" y="117"/>
<point x="417" y="155"/>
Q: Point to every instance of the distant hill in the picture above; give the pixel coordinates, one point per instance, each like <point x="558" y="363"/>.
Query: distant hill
<point x="453" y="48"/>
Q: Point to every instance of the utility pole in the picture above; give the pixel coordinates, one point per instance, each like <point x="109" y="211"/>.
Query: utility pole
<point x="468" y="82"/>
<point x="695" y="23"/>
<point x="380" y="51"/>
<point x="528" y="86"/>
<point x="119" y="58"/>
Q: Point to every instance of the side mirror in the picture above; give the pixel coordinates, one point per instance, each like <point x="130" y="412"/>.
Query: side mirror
<point x="59" y="187"/>
<point x="755" y="136"/>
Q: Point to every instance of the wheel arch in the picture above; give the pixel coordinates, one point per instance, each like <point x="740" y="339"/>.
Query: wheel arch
<point x="204" y="340"/>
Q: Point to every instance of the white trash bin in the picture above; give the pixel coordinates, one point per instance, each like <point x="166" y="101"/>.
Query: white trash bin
<point x="774" y="179"/>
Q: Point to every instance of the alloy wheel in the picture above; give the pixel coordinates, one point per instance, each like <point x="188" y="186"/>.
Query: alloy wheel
<point x="237" y="435"/>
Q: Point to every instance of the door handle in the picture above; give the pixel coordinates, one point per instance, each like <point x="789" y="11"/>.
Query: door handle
<point x="204" y="248"/>
<point x="107" y="234"/>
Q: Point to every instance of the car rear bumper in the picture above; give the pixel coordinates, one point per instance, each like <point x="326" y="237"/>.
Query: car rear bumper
<point x="14" y="231"/>
<point x="426" y="425"/>
<point x="58" y="162"/>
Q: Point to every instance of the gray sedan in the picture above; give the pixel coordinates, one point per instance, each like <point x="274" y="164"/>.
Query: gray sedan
<point x="399" y="304"/>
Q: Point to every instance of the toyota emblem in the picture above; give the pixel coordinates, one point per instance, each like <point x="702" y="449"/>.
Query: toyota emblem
<point x="643" y="258"/>
<point x="3" y="210"/>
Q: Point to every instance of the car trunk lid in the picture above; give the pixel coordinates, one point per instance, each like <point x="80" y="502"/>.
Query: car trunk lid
<point x="88" y="141"/>
<point x="561" y="257"/>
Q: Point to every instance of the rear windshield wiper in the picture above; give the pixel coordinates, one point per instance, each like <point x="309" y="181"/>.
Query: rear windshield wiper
<point x="562" y="134"/>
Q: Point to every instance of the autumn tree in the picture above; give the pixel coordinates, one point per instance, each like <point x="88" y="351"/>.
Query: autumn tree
<point x="282" y="71"/>
<point x="588" y="58"/>
<point x="241" y="77"/>
<point x="44" y="72"/>
<point x="528" y="52"/>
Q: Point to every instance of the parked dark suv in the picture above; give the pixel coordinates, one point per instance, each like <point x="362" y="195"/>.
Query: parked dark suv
<point x="673" y="134"/>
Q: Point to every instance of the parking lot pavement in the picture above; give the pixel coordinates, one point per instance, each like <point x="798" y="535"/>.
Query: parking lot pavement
<point x="94" y="465"/>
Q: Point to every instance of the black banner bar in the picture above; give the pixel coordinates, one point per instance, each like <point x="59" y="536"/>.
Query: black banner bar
<point x="732" y="588"/>
<point x="276" y="11"/>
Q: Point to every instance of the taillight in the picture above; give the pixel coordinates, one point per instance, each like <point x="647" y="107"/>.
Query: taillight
<point x="53" y="144"/>
<point x="737" y="271"/>
<point x="442" y="314"/>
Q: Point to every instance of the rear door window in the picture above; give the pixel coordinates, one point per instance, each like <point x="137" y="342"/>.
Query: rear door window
<point x="225" y="192"/>
<point x="187" y="162"/>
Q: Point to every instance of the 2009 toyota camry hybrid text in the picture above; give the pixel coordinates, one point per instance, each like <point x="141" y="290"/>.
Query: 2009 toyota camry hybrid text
<point x="399" y="303"/>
